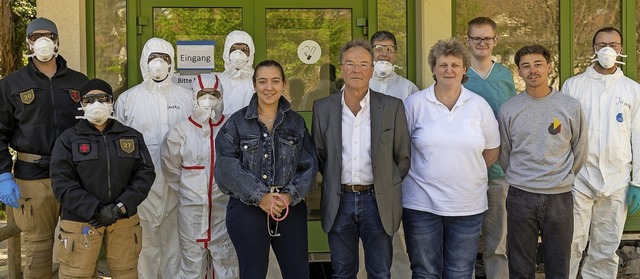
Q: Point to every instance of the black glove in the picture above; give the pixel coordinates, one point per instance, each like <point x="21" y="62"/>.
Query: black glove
<point x="106" y="216"/>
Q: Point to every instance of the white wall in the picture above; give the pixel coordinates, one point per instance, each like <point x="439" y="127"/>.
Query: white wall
<point x="433" y="20"/>
<point x="69" y="16"/>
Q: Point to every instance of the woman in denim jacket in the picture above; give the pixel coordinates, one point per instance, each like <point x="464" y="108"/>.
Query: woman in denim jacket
<point x="265" y="161"/>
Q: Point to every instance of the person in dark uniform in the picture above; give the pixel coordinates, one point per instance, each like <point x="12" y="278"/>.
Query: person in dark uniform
<point x="37" y="103"/>
<point x="101" y="171"/>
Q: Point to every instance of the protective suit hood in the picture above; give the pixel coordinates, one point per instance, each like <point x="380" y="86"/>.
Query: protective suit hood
<point x="151" y="46"/>
<point x="230" y="71"/>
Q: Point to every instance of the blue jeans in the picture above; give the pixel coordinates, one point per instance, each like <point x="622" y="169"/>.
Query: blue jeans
<point x="441" y="246"/>
<point x="358" y="217"/>
<point x="551" y="215"/>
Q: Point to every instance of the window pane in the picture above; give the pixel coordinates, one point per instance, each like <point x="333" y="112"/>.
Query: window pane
<point x="190" y="24"/>
<point x="287" y="28"/>
<point x="392" y="17"/>
<point x="111" y="43"/>
<point x="589" y="16"/>
<point x="520" y="23"/>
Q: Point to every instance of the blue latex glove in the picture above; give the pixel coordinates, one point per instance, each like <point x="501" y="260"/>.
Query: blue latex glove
<point x="633" y="199"/>
<point x="9" y="191"/>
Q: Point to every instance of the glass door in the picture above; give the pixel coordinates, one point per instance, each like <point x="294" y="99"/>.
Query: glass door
<point x="189" y="20"/>
<point x="304" y="36"/>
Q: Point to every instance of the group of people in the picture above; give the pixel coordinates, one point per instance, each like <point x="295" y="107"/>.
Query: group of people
<point x="190" y="184"/>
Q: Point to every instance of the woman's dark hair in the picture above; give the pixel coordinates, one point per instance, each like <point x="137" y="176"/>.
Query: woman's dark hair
<point x="269" y="63"/>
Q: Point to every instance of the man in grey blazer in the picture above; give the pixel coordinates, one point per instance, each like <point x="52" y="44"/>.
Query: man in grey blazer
<point x="362" y="142"/>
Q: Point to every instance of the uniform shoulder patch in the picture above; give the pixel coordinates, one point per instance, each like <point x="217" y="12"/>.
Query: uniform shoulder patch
<point x="127" y="145"/>
<point x="27" y="97"/>
<point x="75" y="95"/>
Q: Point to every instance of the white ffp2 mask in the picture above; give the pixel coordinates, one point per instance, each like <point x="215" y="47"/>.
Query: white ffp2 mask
<point x="44" y="49"/>
<point x="158" y="69"/>
<point x="607" y="57"/>
<point x="382" y="68"/>
<point x="238" y="59"/>
<point x="97" y="113"/>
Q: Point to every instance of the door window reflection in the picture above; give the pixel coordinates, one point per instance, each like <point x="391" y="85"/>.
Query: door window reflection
<point x="287" y="28"/>
<point x="589" y="16"/>
<point x="520" y="23"/>
<point x="190" y="24"/>
<point x="110" y="47"/>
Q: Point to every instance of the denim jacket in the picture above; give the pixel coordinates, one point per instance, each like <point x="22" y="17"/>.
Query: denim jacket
<point x="249" y="159"/>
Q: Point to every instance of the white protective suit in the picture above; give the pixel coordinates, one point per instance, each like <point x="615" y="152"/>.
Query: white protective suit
<point x="237" y="83"/>
<point x="188" y="163"/>
<point x="393" y="85"/>
<point x="612" y="106"/>
<point x="153" y="108"/>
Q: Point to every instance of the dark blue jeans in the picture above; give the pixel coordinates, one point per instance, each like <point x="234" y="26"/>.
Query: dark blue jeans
<point x="358" y="217"/>
<point x="441" y="246"/>
<point x="551" y="215"/>
<point x="247" y="227"/>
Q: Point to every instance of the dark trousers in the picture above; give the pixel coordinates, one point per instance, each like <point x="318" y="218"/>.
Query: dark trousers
<point x="247" y="227"/>
<point x="551" y="215"/>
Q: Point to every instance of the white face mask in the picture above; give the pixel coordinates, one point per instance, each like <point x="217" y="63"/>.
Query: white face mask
<point x="97" y="113"/>
<point x="158" y="69"/>
<point x="44" y="49"/>
<point x="607" y="57"/>
<point x="238" y="59"/>
<point x="211" y="103"/>
<point x="382" y="68"/>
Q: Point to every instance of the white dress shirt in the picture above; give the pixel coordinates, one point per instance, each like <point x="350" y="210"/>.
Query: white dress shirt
<point x="356" y="144"/>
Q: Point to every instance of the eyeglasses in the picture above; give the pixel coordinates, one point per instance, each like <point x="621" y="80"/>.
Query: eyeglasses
<point x="611" y="45"/>
<point x="478" y="40"/>
<point x="351" y="66"/>
<point x="242" y="47"/>
<point x="212" y="92"/>
<point x="35" y="36"/>
<point x="162" y="56"/>
<point x="102" y="98"/>
<point x="384" y="48"/>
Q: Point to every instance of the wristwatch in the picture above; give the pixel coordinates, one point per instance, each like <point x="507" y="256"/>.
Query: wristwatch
<point x="121" y="209"/>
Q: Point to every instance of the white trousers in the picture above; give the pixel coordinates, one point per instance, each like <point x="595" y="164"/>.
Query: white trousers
<point x="160" y="255"/>
<point x="600" y="221"/>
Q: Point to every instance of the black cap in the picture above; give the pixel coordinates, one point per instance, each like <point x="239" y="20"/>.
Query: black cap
<point x="96" y="84"/>
<point x="41" y="23"/>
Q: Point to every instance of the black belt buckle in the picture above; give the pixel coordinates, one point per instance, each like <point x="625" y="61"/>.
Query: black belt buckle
<point x="43" y="162"/>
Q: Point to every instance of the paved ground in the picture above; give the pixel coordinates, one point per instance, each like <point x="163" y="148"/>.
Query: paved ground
<point x="630" y="256"/>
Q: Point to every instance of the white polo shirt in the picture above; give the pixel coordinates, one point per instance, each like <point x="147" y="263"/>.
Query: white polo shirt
<point x="448" y="175"/>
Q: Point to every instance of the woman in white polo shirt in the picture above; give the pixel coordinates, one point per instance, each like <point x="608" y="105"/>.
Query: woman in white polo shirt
<point x="454" y="137"/>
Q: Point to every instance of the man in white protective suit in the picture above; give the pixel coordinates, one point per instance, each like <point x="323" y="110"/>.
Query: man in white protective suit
<point x="153" y="107"/>
<point x="236" y="79"/>
<point x="610" y="179"/>
<point x="384" y="79"/>
<point x="188" y="162"/>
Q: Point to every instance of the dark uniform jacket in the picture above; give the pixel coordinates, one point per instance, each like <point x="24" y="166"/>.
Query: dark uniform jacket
<point x="91" y="168"/>
<point x="34" y="111"/>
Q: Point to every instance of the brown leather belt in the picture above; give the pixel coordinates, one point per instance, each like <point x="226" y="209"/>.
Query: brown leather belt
<point x="32" y="158"/>
<point x="357" y="188"/>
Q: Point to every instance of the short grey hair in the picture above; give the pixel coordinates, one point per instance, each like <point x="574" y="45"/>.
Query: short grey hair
<point x="356" y="43"/>
<point x="450" y="47"/>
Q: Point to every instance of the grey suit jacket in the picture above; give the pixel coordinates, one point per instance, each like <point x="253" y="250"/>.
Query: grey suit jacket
<point x="390" y="148"/>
